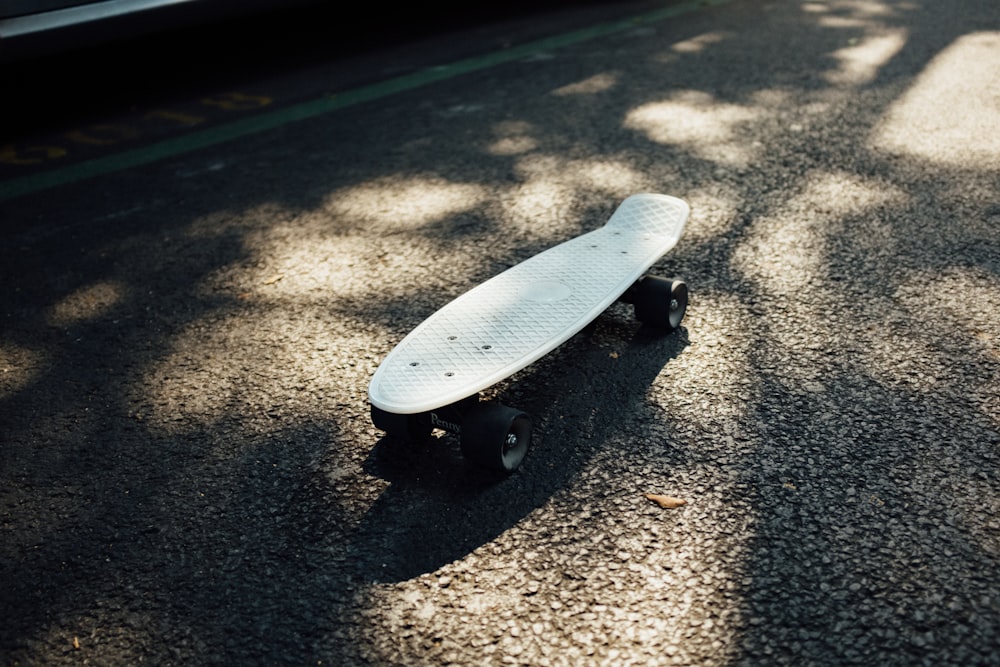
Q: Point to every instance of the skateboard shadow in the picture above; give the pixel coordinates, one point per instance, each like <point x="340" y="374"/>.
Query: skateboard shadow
<point x="438" y="508"/>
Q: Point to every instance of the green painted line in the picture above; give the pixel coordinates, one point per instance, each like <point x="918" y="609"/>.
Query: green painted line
<point x="266" y="121"/>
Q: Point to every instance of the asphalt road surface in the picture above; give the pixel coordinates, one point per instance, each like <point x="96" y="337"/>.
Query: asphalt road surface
<point x="198" y="285"/>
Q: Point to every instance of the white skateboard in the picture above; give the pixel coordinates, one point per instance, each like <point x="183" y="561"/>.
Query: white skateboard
<point x="433" y="377"/>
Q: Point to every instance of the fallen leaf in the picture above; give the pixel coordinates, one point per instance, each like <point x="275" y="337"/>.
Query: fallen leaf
<point x="275" y="278"/>
<point x="666" y="502"/>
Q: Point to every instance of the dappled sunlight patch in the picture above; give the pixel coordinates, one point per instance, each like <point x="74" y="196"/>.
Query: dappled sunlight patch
<point x="552" y="187"/>
<point x="19" y="367"/>
<point x="87" y="303"/>
<point x="787" y="256"/>
<point x="539" y="202"/>
<point x="222" y="223"/>
<point x="277" y="365"/>
<point x="314" y="259"/>
<point x="410" y="612"/>
<point x="853" y="13"/>
<point x="513" y="145"/>
<point x="513" y="138"/>
<point x="608" y="176"/>
<point x="715" y="209"/>
<point x="701" y="42"/>
<point x="861" y="62"/>
<point x="303" y="266"/>
<point x="321" y="267"/>
<point x="951" y="114"/>
<point x="403" y="203"/>
<point x="776" y="98"/>
<point x="787" y="252"/>
<point x="835" y="195"/>
<point x="598" y="83"/>
<point x="697" y="122"/>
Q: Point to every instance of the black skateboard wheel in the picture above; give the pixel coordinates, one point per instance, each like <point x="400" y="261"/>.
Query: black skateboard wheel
<point x="661" y="302"/>
<point x="496" y="437"/>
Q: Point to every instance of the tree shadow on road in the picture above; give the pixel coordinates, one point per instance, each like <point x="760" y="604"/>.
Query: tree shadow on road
<point x="439" y="507"/>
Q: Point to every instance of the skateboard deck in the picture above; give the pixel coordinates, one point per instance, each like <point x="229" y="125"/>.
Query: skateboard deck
<point x="513" y="319"/>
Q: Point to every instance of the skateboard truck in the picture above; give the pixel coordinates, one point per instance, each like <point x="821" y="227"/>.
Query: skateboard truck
<point x="492" y="435"/>
<point x="648" y="296"/>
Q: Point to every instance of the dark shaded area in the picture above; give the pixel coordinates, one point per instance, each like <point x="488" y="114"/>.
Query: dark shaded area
<point x="192" y="56"/>
<point x="460" y="507"/>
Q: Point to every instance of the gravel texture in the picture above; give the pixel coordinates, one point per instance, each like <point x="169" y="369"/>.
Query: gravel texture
<point x="188" y="473"/>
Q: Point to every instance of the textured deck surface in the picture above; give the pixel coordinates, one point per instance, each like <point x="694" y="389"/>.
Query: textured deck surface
<point x="518" y="316"/>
